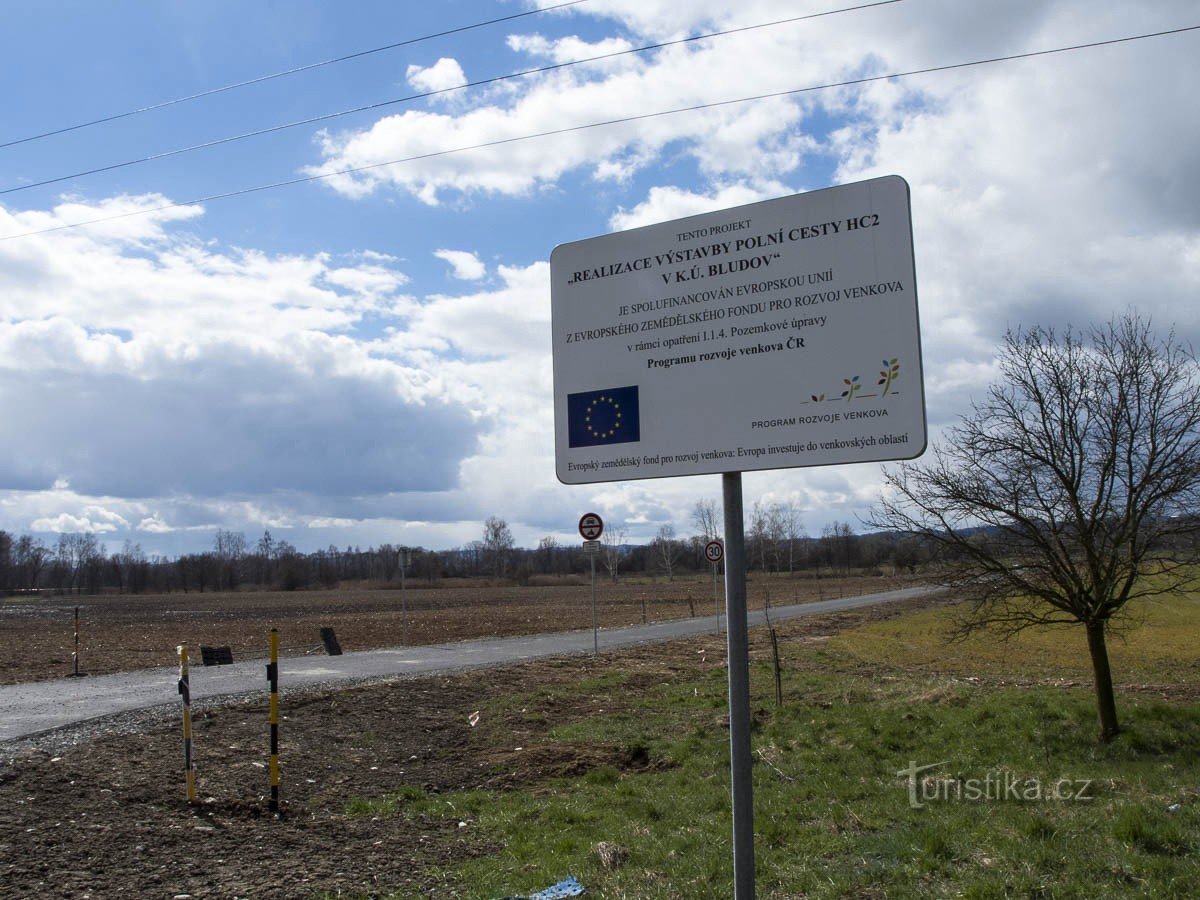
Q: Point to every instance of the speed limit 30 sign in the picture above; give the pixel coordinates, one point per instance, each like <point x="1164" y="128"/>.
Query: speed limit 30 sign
<point x="714" y="551"/>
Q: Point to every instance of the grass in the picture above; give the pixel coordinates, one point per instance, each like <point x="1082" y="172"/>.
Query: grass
<point x="1156" y="643"/>
<point x="833" y="812"/>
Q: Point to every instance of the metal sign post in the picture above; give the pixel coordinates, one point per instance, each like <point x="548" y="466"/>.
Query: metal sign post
<point x="739" y="689"/>
<point x="714" y="553"/>
<point x="595" y="630"/>
<point x="591" y="526"/>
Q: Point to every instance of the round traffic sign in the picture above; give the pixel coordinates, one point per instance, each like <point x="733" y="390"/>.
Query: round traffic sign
<point x="591" y="526"/>
<point x="714" y="552"/>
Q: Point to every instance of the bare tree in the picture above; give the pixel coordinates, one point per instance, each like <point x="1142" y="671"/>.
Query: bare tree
<point x="706" y="519"/>
<point x="547" y="552"/>
<point x="229" y="549"/>
<point x="76" y="553"/>
<point x="756" y="536"/>
<point x="614" y="548"/>
<point x="1068" y="492"/>
<point x="666" y="548"/>
<point x="793" y="531"/>
<point x="775" y="534"/>
<point x="265" y="551"/>
<point x="6" y="560"/>
<point x="840" y="549"/>
<point x="129" y="568"/>
<point x="498" y="544"/>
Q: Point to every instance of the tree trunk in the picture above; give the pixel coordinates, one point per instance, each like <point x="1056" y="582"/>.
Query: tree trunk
<point x="1106" y="703"/>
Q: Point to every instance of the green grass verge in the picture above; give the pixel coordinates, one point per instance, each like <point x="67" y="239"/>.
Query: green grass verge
<point x="834" y="816"/>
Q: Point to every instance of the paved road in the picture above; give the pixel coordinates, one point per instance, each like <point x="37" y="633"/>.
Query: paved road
<point x="29" y="709"/>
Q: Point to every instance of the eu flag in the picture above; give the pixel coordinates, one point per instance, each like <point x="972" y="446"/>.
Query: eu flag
<point x="603" y="417"/>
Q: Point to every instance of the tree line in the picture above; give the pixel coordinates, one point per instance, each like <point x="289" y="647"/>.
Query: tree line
<point x="81" y="563"/>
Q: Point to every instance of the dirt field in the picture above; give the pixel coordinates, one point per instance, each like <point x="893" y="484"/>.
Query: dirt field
<point x="121" y="633"/>
<point x="106" y="817"/>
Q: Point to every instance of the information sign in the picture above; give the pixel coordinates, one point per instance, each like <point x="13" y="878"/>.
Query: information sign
<point x="782" y="333"/>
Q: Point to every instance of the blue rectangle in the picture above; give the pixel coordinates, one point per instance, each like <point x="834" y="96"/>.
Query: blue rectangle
<point x="603" y="417"/>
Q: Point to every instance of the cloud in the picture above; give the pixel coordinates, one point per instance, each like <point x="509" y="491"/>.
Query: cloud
<point x="187" y="412"/>
<point x="167" y="288"/>
<point x="1036" y="194"/>
<point x="95" y="519"/>
<point x="154" y="525"/>
<point x="145" y="364"/>
<point x="443" y="75"/>
<point x="466" y="265"/>
<point x="665" y="203"/>
<point x="511" y="321"/>
<point x="231" y="421"/>
<point x="762" y="139"/>
<point x="569" y="49"/>
<point x="327" y="522"/>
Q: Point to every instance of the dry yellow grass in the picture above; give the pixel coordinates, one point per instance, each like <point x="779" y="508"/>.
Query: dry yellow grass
<point x="1156" y="642"/>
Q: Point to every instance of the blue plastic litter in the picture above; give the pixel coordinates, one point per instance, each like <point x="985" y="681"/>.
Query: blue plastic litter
<point x="567" y="888"/>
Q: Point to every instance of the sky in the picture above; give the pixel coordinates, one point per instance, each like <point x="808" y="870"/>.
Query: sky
<point x="366" y="358"/>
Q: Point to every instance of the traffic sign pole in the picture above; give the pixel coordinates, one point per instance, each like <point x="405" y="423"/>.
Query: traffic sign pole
<point x="739" y="688"/>
<point x="714" y="553"/>
<point x="716" y="601"/>
<point x="595" y="634"/>
<point x="591" y="526"/>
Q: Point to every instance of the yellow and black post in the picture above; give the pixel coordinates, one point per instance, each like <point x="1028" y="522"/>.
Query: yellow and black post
<point x="273" y="681"/>
<point x="186" y="695"/>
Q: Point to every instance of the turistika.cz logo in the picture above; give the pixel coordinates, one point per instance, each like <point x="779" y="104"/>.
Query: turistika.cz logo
<point x="993" y="787"/>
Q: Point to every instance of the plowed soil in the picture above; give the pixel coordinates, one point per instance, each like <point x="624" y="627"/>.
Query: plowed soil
<point x="125" y="632"/>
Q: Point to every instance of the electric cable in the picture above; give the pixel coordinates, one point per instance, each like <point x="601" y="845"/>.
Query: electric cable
<point x="293" y="71"/>
<point x="461" y="87"/>
<point x="624" y="120"/>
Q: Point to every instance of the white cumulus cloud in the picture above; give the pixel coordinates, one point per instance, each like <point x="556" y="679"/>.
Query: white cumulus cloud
<point x="443" y="75"/>
<point x="465" y="265"/>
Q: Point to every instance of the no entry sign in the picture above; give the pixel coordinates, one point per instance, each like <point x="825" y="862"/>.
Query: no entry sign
<point x="591" y="526"/>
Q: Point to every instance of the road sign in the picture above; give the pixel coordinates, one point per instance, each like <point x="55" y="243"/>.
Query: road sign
<point x="773" y="335"/>
<point x="591" y="548"/>
<point x="714" y="551"/>
<point x="777" y="334"/>
<point x="591" y="526"/>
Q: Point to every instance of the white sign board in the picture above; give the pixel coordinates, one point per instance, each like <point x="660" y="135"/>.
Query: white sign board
<point x="782" y="333"/>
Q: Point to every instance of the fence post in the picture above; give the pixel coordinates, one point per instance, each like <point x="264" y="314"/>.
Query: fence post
<point x="185" y="693"/>
<point x="75" y="656"/>
<point x="273" y="682"/>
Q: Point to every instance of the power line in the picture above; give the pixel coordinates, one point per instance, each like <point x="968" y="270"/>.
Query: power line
<point x="498" y="78"/>
<point x="293" y="71"/>
<point x="575" y="128"/>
